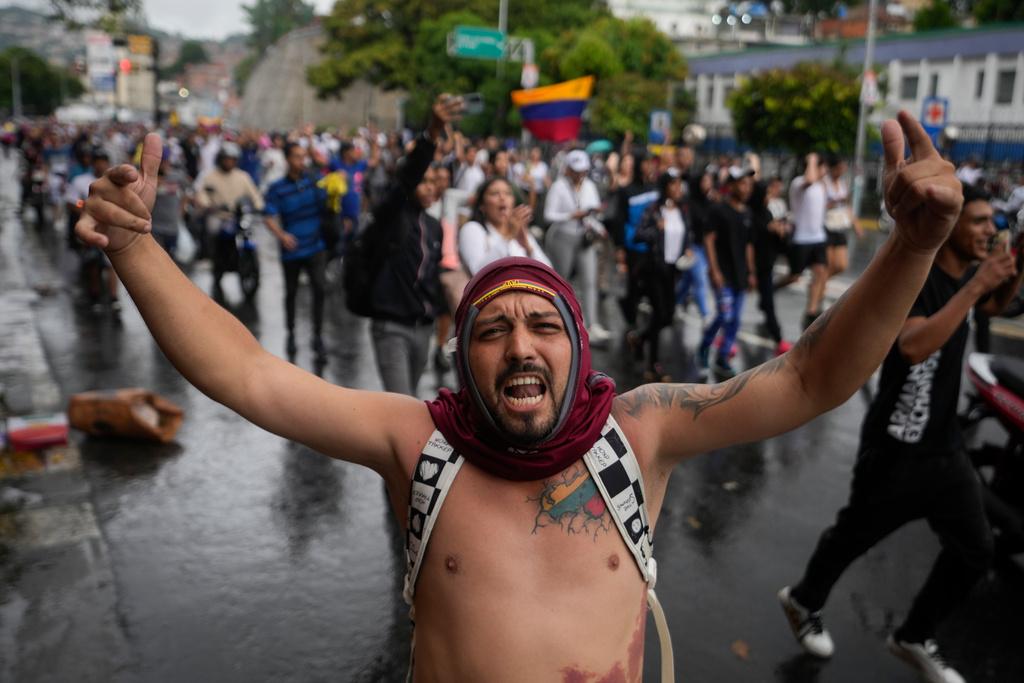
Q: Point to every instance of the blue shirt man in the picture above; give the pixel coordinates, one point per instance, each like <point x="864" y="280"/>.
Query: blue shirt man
<point x="292" y="208"/>
<point x="297" y="203"/>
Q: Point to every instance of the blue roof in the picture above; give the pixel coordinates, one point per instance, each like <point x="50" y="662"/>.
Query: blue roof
<point x="999" y="39"/>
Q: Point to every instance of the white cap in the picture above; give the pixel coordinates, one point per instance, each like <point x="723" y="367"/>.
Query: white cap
<point x="578" y="161"/>
<point x="738" y="172"/>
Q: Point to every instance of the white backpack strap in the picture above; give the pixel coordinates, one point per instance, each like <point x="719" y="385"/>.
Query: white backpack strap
<point x="433" y="477"/>
<point x="616" y="472"/>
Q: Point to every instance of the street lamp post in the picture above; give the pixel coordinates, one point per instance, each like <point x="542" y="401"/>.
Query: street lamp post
<point x="15" y="86"/>
<point x="858" y="160"/>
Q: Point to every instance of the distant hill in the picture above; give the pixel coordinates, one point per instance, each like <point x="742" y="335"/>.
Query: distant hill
<point x="35" y="30"/>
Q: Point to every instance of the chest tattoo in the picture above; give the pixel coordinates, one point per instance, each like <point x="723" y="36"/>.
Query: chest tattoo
<point x="572" y="502"/>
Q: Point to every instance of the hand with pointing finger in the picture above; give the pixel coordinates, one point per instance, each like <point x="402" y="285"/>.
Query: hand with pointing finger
<point x="118" y="209"/>
<point x="922" y="193"/>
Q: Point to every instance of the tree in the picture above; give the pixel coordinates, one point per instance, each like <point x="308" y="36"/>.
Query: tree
<point x="807" y="108"/>
<point x="370" y="39"/>
<point x="992" y="11"/>
<point x="270" y="19"/>
<point x="42" y="85"/>
<point x="936" y="15"/>
<point x="191" y="52"/>
<point x="108" y="15"/>
<point x="635" y="65"/>
<point x="398" y="44"/>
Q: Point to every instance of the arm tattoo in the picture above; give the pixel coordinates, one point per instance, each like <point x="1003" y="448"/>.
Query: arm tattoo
<point x="810" y="338"/>
<point x="695" y="397"/>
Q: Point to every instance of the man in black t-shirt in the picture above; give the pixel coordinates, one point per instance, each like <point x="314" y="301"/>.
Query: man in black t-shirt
<point x="911" y="463"/>
<point x="728" y="242"/>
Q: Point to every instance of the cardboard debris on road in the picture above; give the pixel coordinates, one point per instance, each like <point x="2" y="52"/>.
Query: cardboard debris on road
<point x="132" y="413"/>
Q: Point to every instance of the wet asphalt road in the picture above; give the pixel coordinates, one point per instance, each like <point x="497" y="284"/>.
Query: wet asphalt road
<point x="238" y="556"/>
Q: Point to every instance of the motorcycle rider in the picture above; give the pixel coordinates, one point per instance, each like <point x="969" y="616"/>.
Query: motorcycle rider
<point x="912" y="463"/>
<point x="93" y="260"/>
<point x="217" y="193"/>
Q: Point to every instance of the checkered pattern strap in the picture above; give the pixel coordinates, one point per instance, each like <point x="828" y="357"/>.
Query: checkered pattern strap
<point x="435" y="471"/>
<point x="616" y="472"/>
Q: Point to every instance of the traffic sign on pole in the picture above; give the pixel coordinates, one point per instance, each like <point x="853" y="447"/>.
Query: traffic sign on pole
<point x="476" y="42"/>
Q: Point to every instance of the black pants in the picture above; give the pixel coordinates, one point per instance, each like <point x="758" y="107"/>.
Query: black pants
<point x="766" y="252"/>
<point x="637" y="267"/>
<point x="660" y="286"/>
<point x="890" y="489"/>
<point x="314" y="267"/>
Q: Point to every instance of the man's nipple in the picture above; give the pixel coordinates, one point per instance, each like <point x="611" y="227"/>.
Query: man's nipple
<point x="451" y="563"/>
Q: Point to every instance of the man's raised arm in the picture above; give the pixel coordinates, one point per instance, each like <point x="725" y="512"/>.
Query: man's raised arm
<point x="214" y="351"/>
<point x="841" y="350"/>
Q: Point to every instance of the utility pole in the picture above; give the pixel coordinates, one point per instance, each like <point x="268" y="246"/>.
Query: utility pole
<point x="858" y="160"/>
<point x="15" y="86"/>
<point x="503" y="27"/>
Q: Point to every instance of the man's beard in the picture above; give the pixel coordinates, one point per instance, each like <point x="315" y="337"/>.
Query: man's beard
<point x="532" y="429"/>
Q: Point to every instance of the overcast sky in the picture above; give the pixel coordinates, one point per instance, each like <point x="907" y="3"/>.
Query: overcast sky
<point x="193" y="18"/>
<point x="206" y="18"/>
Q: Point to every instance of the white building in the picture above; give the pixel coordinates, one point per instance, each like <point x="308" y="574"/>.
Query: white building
<point x="708" y="25"/>
<point x="979" y="71"/>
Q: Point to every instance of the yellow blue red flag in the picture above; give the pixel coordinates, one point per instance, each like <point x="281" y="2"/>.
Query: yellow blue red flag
<point x="554" y="112"/>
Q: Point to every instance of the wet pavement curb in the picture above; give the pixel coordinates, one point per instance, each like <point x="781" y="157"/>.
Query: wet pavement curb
<point x="58" y="593"/>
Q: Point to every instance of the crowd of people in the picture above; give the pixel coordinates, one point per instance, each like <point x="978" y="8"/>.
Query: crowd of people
<point x="654" y="232"/>
<point x="422" y="220"/>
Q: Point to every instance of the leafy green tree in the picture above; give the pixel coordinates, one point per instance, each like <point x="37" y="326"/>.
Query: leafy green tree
<point x="109" y="15"/>
<point x="992" y="11"/>
<point x="371" y="39"/>
<point x="936" y="15"/>
<point x="270" y="19"/>
<point x="809" y="107"/>
<point x="191" y="52"/>
<point x="404" y="45"/>
<point x="41" y="84"/>
<point x="635" y="65"/>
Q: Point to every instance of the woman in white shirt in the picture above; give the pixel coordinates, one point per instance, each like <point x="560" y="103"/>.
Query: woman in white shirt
<point x="571" y="207"/>
<point x="839" y="219"/>
<point x="498" y="229"/>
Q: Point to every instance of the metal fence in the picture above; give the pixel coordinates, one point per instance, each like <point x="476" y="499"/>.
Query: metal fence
<point x="993" y="145"/>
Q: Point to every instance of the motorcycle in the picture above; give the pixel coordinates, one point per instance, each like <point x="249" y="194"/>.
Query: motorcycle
<point x="235" y="248"/>
<point x="36" y="184"/>
<point x="997" y="394"/>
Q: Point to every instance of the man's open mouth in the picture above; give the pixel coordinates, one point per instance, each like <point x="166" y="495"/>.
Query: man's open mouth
<point x="524" y="391"/>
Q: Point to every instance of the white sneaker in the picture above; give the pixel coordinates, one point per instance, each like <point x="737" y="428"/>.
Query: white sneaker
<point x="926" y="658"/>
<point x="598" y="334"/>
<point x="807" y="627"/>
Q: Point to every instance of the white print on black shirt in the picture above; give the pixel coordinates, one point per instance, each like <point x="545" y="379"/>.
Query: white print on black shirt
<point x="913" y="408"/>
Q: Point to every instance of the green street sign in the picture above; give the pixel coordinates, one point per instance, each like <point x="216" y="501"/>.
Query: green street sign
<point x="476" y="42"/>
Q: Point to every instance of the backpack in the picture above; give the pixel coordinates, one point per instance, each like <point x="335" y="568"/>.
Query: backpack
<point x="365" y="256"/>
<point x="362" y="262"/>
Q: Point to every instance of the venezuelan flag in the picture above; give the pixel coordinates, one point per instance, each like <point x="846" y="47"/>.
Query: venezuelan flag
<point x="554" y="112"/>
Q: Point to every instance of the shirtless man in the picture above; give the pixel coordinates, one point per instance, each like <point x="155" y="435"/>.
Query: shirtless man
<point x="523" y="581"/>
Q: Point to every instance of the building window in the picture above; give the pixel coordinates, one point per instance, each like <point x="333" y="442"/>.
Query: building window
<point x="726" y="91"/>
<point x="908" y="88"/>
<point x="711" y="95"/>
<point x="1004" y="86"/>
<point x="979" y="84"/>
<point x="933" y="88"/>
